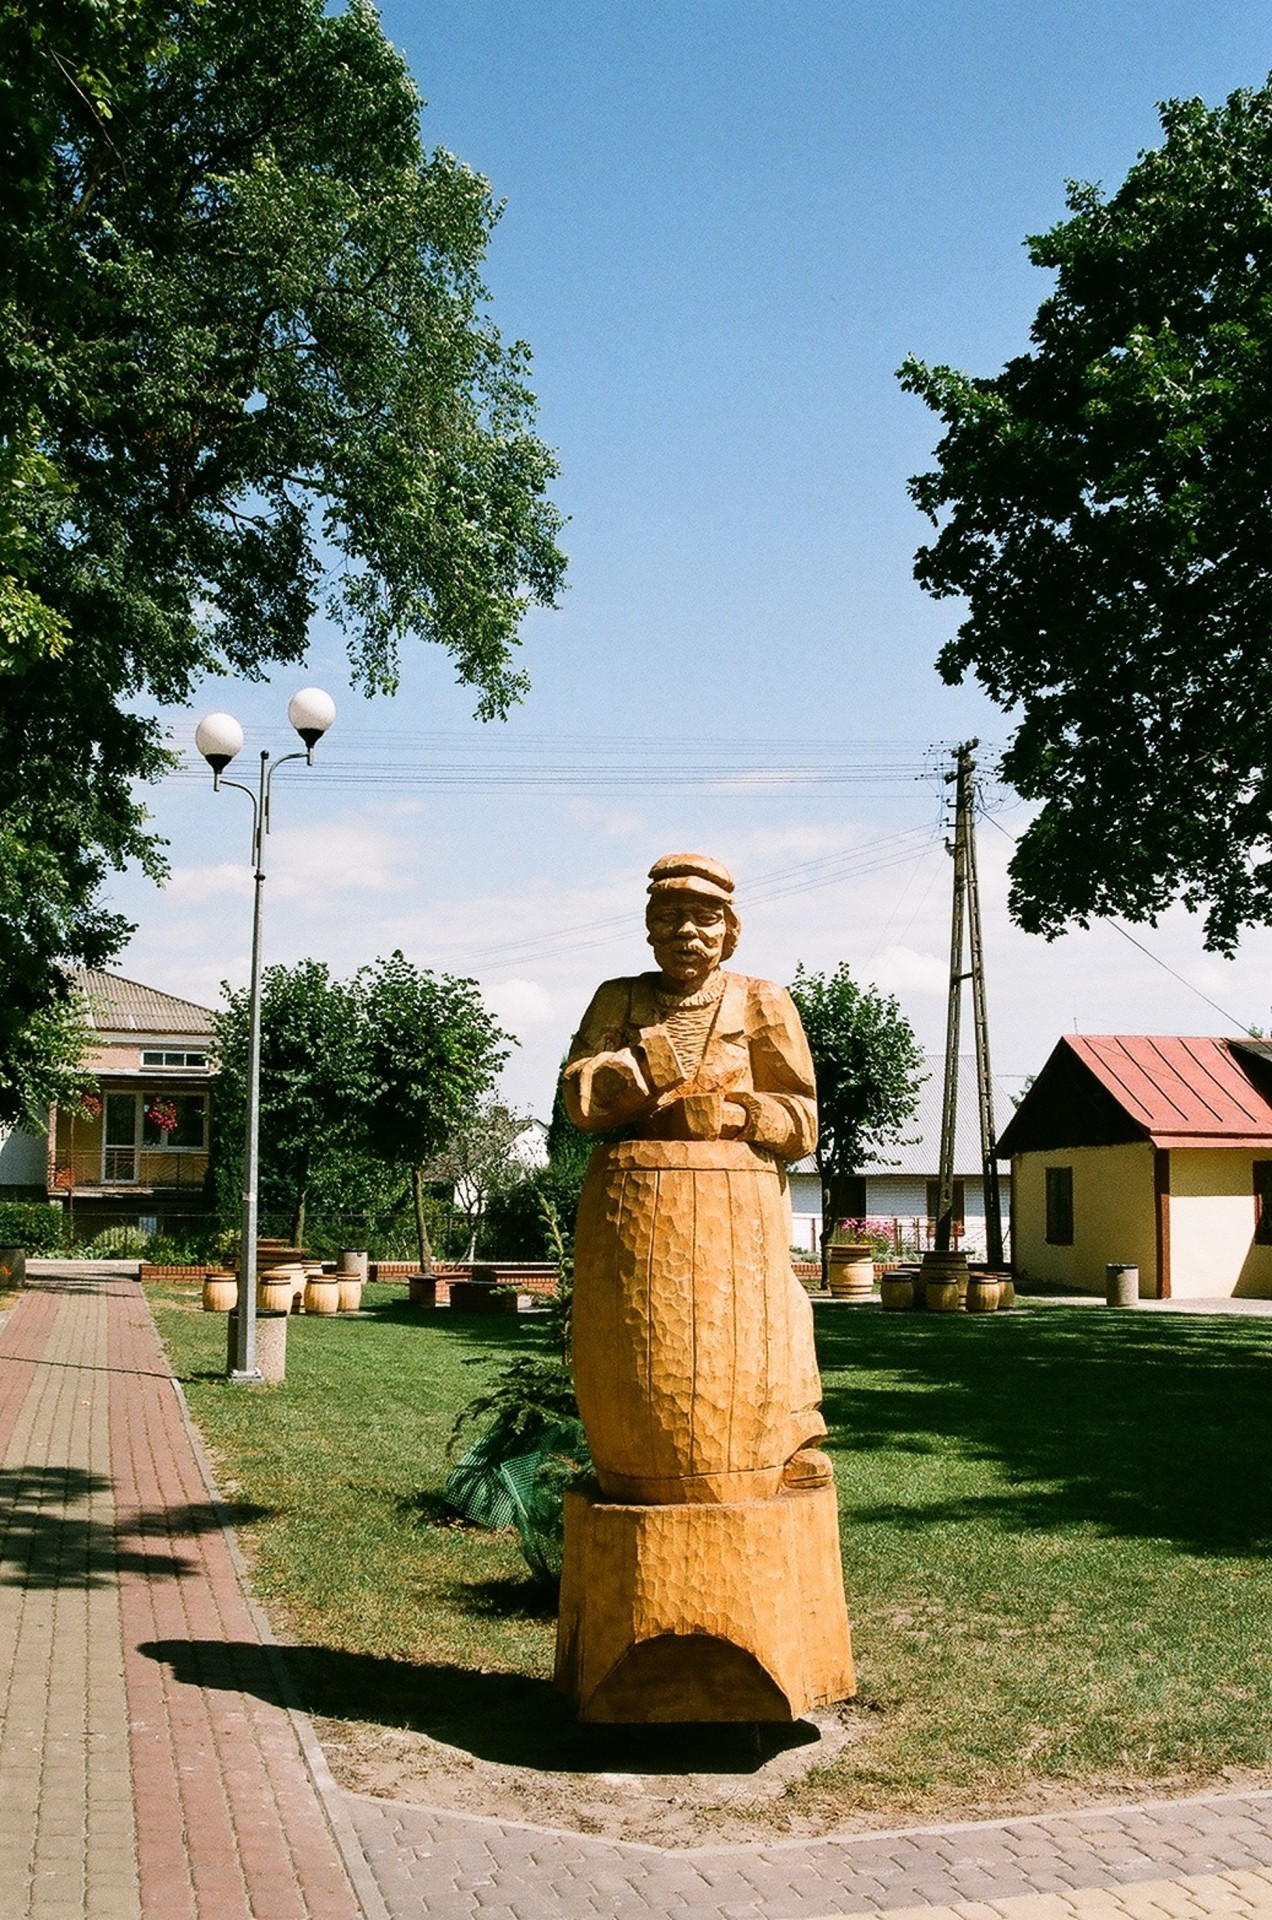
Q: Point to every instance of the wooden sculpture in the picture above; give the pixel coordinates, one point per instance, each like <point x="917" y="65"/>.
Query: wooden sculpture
<point x="702" y="1581"/>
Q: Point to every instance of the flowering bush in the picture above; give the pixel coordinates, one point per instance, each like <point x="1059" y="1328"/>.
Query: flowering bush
<point x="90" y="1105"/>
<point x="875" y="1234"/>
<point x="162" y="1113"/>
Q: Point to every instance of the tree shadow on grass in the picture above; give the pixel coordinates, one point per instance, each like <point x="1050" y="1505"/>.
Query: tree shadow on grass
<point x="1145" y="1427"/>
<point x="503" y="1717"/>
<point x="53" y="1540"/>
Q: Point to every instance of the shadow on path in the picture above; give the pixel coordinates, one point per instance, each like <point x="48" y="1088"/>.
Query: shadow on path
<point x="504" y="1717"/>
<point x="48" y="1538"/>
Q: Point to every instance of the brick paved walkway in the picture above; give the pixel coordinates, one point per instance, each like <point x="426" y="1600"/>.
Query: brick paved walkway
<point x="150" y="1764"/>
<point x="126" y="1790"/>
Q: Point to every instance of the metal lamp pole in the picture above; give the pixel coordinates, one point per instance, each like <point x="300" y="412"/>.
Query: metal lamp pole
<point x="219" y="738"/>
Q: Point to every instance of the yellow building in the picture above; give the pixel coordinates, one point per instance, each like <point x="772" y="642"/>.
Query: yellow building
<point x="1146" y="1150"/>
<point x="140" y="1156"/>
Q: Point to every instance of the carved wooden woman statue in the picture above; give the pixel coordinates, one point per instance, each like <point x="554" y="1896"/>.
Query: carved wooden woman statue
<point x="693" y="1342"/>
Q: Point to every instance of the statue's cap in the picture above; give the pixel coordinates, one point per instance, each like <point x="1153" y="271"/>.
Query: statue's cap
<point x="695" y="873"/>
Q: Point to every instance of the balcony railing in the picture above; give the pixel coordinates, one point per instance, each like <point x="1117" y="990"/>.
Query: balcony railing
<point x="129" y="1169"/>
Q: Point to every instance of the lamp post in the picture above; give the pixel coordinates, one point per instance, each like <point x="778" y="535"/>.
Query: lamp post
<point x="219" y="737"/>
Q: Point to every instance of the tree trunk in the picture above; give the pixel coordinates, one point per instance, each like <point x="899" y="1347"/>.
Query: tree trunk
<point x="827" y="1228"/>
<point x="417" y="1190"/>
<point x="298" y="1220"/>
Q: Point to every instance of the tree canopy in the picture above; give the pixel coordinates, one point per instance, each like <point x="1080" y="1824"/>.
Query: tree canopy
<point x="869" y="1069"/>
<point x="431" y="1053"/>
<point x="247" y="376"/>
<point x="1104" y="507"/>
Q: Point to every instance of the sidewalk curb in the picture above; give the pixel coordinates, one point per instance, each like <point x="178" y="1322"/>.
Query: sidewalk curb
<point x="365" y="1886"/>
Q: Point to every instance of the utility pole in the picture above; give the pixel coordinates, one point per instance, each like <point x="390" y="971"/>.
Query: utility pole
<point x="966" y="913"/>
<point x="984" y="1079"/>
<point x="962" y="779"/>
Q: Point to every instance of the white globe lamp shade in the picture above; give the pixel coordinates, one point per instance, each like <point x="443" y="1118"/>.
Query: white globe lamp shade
<point x="218" y="737"/>
<point x="311" y="712"/>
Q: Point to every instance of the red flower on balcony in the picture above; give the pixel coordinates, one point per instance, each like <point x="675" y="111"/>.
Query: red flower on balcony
<point x="162" y="1114"/>
<point x="90" y="1105"/>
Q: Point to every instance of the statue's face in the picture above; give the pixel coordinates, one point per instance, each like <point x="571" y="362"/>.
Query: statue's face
<point x="687" y="936"/>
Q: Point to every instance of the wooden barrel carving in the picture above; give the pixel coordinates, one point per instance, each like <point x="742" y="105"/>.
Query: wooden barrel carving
<point x="322" y="1294"/>
<point x="693" y="1339"/>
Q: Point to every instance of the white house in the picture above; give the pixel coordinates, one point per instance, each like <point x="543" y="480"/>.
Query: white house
<point x="904" y="1192"/>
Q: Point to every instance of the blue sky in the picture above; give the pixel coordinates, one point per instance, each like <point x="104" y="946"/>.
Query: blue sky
<point x="725" y="226"/>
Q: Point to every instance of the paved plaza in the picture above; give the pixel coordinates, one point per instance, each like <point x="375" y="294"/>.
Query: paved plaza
<point x="153" y="1762"/>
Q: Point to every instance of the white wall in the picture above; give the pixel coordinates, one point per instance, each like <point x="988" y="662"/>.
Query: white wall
<point x="23" y="1159"/>
<point x="902" y="1197"/>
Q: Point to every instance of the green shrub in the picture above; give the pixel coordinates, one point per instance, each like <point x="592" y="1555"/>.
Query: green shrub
<point x="120" y="1242"/>
<point x="32" y="1225"/>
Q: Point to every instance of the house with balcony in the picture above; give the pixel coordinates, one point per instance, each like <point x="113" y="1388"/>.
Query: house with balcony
<point x="139" y="1156"/>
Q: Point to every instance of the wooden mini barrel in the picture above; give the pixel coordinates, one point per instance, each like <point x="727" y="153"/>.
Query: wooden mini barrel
<point x="220" y="1292"/>
<point x="349" y="1290"/>
<point x="851" y="1272"/>
<point x="274" y="1290"/>
<point x="896" y="1291"/>
<point x="322" y="1293"/>
<point x="941" y="1294"/>
<point x="693" y="1350"/>
<point x="984" y="1293"/>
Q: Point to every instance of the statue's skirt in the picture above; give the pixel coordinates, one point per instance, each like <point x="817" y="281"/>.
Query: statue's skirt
<point x="693" y="1341"/>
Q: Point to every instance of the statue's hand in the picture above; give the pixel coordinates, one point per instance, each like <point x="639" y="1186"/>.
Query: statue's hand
<point x="733" y="1120"/>
<point x="615" y="1081"/>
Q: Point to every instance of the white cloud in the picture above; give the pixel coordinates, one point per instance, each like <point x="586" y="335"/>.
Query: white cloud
<point x="518" y="1004"/>
<point x="902" y="970"/>
<point x="224" y="880"/>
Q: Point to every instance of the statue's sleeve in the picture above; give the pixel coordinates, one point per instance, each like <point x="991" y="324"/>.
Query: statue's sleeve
<point x="604" y="1084"/>
<point x="782" y="1109"/>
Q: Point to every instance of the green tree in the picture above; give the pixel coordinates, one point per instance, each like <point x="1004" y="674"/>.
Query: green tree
<point x="1104" y="508"/>
<point x="312" y="1093"/>
<point x="869" y="1070"/>
<point x="480" y="1162"/>
<point x="431" y="1053"/>
<point x="247" y="375"/>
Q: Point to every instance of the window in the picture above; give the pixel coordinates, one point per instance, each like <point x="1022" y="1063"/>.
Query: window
<point x="173" y="1120"/>
<point x="119" y="1137"/>
<point x="155" y="1057"/>
<point x="1262" y="1171"/>
<point x="934" y="1202"/>
<point x="1060" y="1206"/>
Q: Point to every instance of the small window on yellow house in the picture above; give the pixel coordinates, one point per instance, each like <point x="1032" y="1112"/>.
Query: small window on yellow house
<point x="1060" y="1206"/>
<point x="1262" y="1170"/>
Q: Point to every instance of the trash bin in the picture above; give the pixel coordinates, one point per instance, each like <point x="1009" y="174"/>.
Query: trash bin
<point x="1121" y="1286"/>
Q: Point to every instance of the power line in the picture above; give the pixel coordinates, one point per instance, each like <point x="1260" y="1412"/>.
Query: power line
<point x="1148" y="953"/>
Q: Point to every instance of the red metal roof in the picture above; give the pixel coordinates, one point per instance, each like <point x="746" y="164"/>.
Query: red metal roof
<point x="1184" y="1092"/>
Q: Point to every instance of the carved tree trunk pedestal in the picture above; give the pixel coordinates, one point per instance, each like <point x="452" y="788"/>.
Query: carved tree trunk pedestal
<point x="697" y="1612"/>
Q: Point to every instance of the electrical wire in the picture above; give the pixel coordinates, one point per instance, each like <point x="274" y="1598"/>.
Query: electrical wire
<point x="1148" y="953"/>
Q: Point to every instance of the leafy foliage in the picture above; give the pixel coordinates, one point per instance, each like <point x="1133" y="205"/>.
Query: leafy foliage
<point x="362" y="1082"/>
<point x="869" y="1069"/>
<point x="480" y="1161"/>
<point x="431" y="1051"/>
<point x="247" y="374"/>
<point x="35" y="1227"/>
<point x="311" y="1084"/>
<point x="1104" y="507"/>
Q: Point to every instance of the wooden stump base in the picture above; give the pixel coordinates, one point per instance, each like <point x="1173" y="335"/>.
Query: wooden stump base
<point x="732" y="1612"/>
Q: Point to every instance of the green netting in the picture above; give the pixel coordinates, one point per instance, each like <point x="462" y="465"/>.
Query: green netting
<point x="525" y="1490"/>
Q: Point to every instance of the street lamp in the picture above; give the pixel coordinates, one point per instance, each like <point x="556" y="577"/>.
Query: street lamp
<point x="219" y="738"/>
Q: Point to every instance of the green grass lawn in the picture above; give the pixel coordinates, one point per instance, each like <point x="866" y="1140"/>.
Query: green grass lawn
<point x="1055" y="1534"/>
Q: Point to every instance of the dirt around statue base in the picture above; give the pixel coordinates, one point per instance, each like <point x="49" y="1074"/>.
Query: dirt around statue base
<point x="701" y="1613"/>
